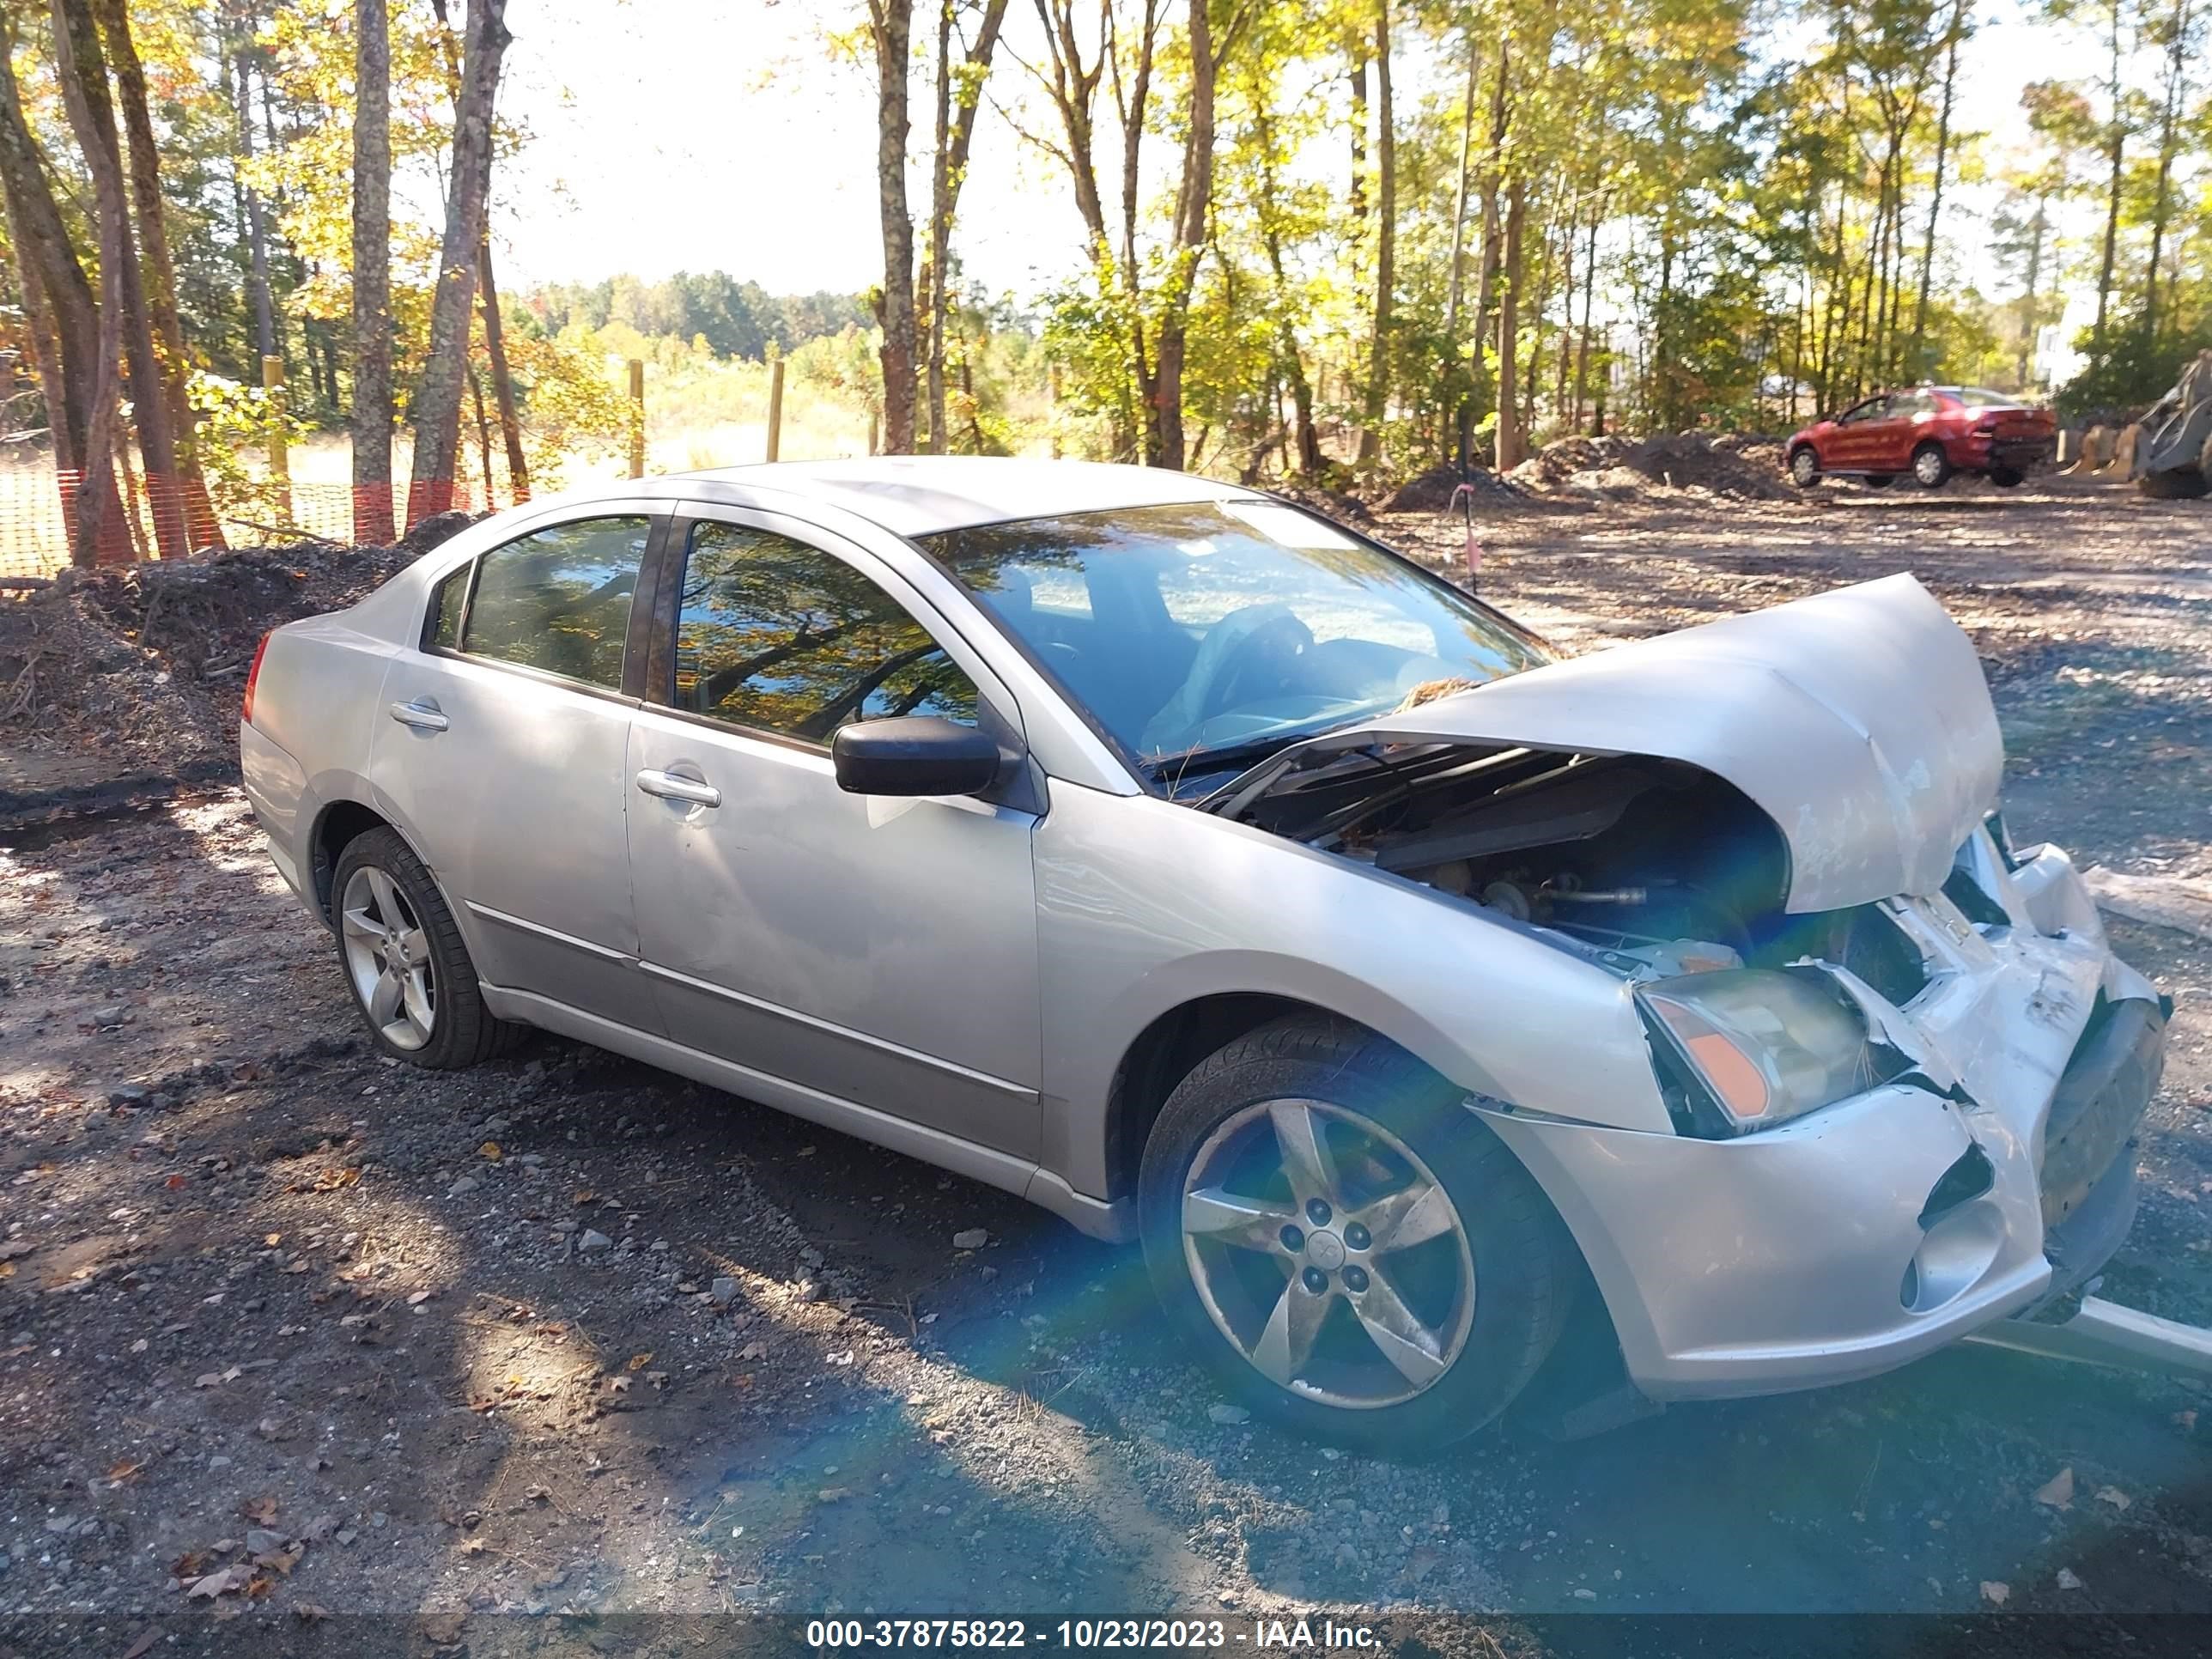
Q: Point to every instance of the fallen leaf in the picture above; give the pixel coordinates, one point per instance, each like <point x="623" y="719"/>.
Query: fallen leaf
<point x="1994" y="1592"/>
<point x="280" y="1562"/>
<point x="443" y="1630"/>
<point x="490" y="1149"/>
<point x="175" y="1181"/>
<point x="123" y="1471"/>
<point x="214" y="1584"/>
<point x="261" y="1510"/>
<point x="146" y="1640"/>
<point x="259" y="1586"/>
<point x="2067" y="1579"/>
<point x="310" y="1612"/>
<point x="272" y="1240"/>
<point x="2115" y="1496"/>
<point x="2058" y="1490"/>
<point x="638" y="1362"/>
<point x="190" y="1564"/>
<point x="584" y="1196"/>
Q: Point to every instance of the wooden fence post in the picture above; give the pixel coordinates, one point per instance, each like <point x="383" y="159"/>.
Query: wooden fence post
<point x="774" y="406"/>
<point x="874" y="429"/>
<point x="280" y="462"/>
<point x="637" y="418"/>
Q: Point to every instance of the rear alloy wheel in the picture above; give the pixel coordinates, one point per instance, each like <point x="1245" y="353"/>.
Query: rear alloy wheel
<point x="404" y="959"/>
<point x="1804" y="467"/>
<point x="1931" y="468"/>
<point x="1357" y="1256"/>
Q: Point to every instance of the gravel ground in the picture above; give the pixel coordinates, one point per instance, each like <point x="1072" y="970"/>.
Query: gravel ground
<point x="288" y="1332"/>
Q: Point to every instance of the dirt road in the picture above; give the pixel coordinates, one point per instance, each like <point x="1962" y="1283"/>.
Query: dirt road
<point x="286" y="1330"/>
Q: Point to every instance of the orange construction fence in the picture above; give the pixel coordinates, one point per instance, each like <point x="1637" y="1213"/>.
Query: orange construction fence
<point x="141" y="517"/>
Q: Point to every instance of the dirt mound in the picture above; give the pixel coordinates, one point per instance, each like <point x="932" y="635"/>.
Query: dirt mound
<point x="141" y="664"/>
<point x="1434" y="490"/>
<point x="1747" y="467"/>
<point x="1344" y="508"/>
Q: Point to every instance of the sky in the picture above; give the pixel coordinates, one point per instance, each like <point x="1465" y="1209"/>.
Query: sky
<point x="696" y="134"/>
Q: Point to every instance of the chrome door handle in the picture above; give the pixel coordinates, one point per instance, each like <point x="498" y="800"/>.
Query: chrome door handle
<point x="670" y="785"/>
<point x="423" y="717"/>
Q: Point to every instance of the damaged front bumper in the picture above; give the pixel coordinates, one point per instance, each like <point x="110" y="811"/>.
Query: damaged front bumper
<point x="1995" y="1176"/>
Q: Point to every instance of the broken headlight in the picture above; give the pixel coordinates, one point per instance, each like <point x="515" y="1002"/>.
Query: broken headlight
<point x="1762" y="1046"/>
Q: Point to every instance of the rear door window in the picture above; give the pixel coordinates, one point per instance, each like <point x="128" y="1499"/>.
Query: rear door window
<point x="558" y="599"/>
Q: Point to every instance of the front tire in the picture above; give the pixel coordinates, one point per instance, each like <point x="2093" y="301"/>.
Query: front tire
<point x="404" y="960"/>
<point x="1932" y="467"/>
<point x="1356" y="1255"/>
<point x="1804" y="467"/>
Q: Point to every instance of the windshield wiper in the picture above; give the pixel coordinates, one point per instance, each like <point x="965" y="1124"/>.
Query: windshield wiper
<point x="1201" y="759"/>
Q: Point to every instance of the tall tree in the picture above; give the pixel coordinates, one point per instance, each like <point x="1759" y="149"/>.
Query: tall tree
<point x="1953" y="36"/>
<point x="437" y="406"/>
<point x="959" y="96"/>
<point x="371" y="416"/>
<point x="82" y="70"/>
<point x="890" y="26"/>
<point x="159" y="280"/>
<point x="1386" y="243"/>
<point x="77" y="361"/>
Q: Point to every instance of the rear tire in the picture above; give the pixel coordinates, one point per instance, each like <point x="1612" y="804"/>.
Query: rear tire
<point x="404" y="961"/>
<point x="1879" y="480"/>
<point x="1932" y="467"/>
<point x="2006" y="477"/>
<point x="1400" y="1305"/>
<point x="1804" y="466"/>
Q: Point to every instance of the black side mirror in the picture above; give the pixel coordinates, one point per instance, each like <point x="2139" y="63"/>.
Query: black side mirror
<point x="914" y="754"/>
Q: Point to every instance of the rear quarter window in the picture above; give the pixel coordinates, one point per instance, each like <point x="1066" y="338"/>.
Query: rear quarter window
<point x="442" y="629"/>
<point x="558" y="599"/>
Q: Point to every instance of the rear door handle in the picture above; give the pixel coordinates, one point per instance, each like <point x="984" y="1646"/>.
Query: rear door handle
<point x="670" y="786"/>
<point x="422" y="715"/>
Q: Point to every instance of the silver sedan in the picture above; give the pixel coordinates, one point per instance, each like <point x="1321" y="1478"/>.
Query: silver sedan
<point x="1218" y="878"/>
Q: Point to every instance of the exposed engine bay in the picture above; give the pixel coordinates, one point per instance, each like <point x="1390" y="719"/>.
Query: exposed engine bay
<point x="1656" y="866"/>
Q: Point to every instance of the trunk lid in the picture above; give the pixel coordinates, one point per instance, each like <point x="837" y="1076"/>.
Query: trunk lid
<point x="1857" y="720"/>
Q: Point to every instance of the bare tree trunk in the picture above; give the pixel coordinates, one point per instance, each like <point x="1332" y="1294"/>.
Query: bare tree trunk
<point x="1194" y="209"/>
<point x="890" y="25"/>
<point x="2177" y="70"/>
<point x="1130" y="100"/>
<point x="1936" y="201"/>
<point x="2116" y="145"/>
<point x="1386" y="244"/>
<point x="1508" y="330"/>
<point x="257" y="229"/>
<point x="1501" y="115"/>
<point x="41" y="242"/>
<point x="371" y="418"/>
<point x="82" y="72"/>
<point x="437" y="409"/>
<point x="183" y="498"/>
<point x="1589" y="298"/>
<point x="1465" y="183"/>
<point x="503" y="381"/>
<point x="1356" y="199"/>
<point x="956" y="105"/>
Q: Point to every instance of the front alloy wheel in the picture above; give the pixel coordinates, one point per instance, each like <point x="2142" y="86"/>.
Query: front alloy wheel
<point x="1350" y="1248"/>
<point x="1326" y="1253"/>
<point x="1804" y="467"/>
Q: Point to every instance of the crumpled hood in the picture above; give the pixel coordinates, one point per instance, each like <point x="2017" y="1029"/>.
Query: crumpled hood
<point x="1858" y="720"/>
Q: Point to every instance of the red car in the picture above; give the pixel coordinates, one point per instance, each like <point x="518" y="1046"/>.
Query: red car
<point x="1929" y="432"/>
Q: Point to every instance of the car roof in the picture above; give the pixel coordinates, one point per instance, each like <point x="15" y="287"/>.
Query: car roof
<point x="922" y="495"/>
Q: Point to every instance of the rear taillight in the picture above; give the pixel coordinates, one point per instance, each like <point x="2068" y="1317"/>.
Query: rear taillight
<point x="252" y="678"/>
